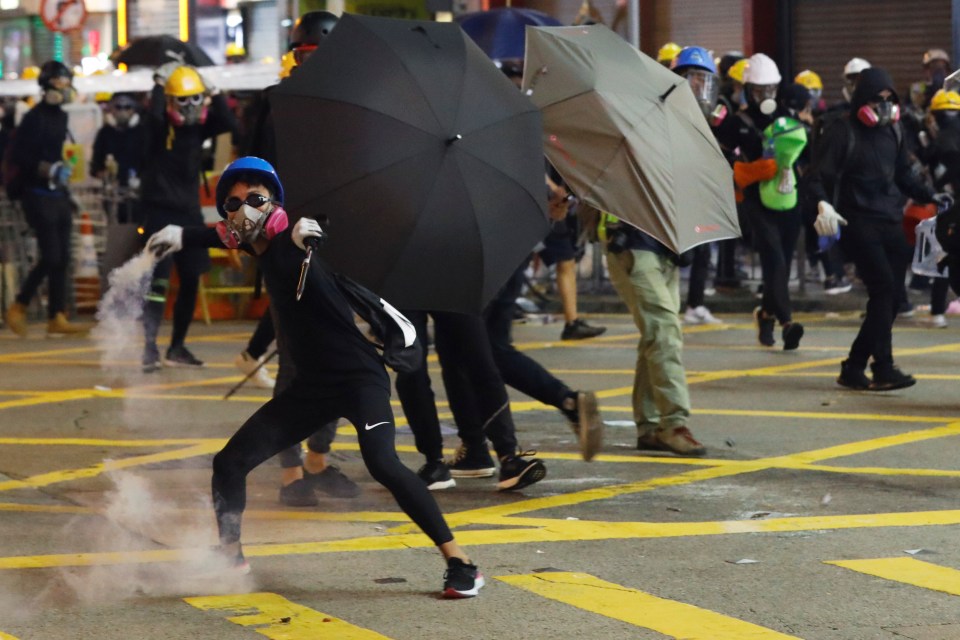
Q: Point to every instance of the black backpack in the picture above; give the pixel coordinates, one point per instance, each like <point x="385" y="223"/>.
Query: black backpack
<point x="947" y="230"/>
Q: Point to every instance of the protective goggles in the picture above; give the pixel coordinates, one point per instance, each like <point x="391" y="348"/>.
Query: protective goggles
<point x="255" y="200"/>
<point x="187" y="101"/>
<point x="301" y="53"/>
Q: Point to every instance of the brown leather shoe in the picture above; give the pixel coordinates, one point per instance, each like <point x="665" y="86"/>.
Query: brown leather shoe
<point x="59" y="327"/>
<point x="17" y="319"/>
<point x="676" y="440"/>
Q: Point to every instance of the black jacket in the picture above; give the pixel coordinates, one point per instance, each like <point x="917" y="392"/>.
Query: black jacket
<point x="173" y="160"/>
<point x="872" y="165"/>
<point x="39" y="138"/>
<point x="126" y="145"/>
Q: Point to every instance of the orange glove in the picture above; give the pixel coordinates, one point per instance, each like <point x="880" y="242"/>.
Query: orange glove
<point x="747" y="173"/>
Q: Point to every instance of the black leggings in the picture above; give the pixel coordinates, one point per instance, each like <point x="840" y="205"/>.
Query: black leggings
<point x="262" y="336"/>
<point x="51" y="218"/>
<point x="291" y="417"/>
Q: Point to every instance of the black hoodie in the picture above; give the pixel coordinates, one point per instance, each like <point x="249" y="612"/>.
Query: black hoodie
<point x="878" y="172"/>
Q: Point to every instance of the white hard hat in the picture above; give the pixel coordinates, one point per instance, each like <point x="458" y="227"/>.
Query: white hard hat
<point x="761" y="70"/>
<point x="855" y="66"/>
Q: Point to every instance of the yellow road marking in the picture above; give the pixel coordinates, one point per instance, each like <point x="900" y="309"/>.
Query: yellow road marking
<point x="669" y="617"/>
<point x="7" y="636"/>
<point x="535" y="530"/>
<point x="94" y="442"/>
<point x="908" y="571"/>
<point x="276" y="617"/>
<point x="66" y="475"/>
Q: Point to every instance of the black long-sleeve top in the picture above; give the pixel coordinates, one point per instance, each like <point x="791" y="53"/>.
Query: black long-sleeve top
<point x="172" y="161"/>
<point x="126" y="145"/>
<point x="39" y="138"/>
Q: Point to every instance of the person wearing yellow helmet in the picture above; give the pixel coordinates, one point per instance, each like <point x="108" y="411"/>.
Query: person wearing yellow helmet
<point x="811" y="80"/>
<point x="184" y="111"/>
<point x="667" y="53"/>
<point x="287" y="63"/>
<point x="235" y="53"/>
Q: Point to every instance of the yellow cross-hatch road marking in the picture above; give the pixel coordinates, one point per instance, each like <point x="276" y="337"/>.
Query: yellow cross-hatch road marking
<point x="276" y="617"/>
<point x="908" y="571"/>
<point x="7" y="636"/>
<point x="669" y="617"/>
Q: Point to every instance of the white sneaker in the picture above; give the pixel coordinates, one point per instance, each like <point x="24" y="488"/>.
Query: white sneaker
<point x="700" y="315"/>
<point x="246" y="364"/>
<point x="939" y="321"/>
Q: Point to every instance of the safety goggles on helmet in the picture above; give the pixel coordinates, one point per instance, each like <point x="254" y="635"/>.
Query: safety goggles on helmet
<point x="255" y="200"/>
<point x="301" y="53"/>
<point x="189" y="101"/>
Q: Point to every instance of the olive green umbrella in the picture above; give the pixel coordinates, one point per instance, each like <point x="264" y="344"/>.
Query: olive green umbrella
<point x="628" y="136"/>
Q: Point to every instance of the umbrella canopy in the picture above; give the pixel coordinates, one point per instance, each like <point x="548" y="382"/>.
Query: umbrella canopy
<point x="628" y="137"/>
<point x="426" y="159"/>
<point x="501" y="32"/>
<point x="153" y="51"/>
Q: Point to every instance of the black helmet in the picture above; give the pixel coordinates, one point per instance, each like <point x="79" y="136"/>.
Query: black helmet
<point x="53" y="69"/>
<point x="311" y="28"/>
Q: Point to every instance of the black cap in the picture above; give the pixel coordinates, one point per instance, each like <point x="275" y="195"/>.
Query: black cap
<point x="53" y="69"/>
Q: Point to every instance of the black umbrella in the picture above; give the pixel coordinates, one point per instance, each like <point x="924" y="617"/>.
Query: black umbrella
<point x="427" y="161"/>
<point x="153" y="51"/>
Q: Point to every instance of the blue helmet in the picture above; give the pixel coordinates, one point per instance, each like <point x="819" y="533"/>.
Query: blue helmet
<point x="248" y="164"/>
<point x="696" y="57"/>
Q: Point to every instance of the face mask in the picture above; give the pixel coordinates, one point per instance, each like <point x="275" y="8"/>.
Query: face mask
<point x="251" y="226"/>
<point x="766" y="98"/>
<point x="187" y="111"/>
<point x="937" y="77"/>
<point x="884" y="114"/>
<point x="56" y="97"/>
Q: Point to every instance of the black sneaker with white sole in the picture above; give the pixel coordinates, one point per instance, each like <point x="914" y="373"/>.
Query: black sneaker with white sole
<point x="519" y="471"/>
<point x="471" y="463"/>
<point x="461" y="580"/>
<point x="180" y="356"/>
<point x="436" y="475"/>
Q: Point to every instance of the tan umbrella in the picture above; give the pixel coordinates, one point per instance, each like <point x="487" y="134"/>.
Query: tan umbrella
<point x="628" y="136"/>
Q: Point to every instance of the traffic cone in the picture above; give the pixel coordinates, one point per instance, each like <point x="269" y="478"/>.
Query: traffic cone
<point x="86" y="277"/>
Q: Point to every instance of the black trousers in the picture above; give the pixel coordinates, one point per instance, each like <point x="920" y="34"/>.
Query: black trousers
<point x="699" y="269"/>
<point x="51" y="218"/>
<point x="774" y="235"/>
<point x="476" y="393"/>
<point x="519" y="370"/>
<point x="881" y="253"/>
<point x="262" y="336"/>
<point x="295" y="414"/>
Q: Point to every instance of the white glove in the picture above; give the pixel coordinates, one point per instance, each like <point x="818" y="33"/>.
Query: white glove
<point x="162" y="73"/>
<point x="828" y="221"/>
<point x="306" y="228"/>
<point x="166" y="241"/>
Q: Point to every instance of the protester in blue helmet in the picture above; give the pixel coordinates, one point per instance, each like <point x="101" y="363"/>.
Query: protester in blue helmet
<point x="697" y="66"/>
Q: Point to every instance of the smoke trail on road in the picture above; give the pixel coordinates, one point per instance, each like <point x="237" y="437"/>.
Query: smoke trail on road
<point x="119" y="332"/>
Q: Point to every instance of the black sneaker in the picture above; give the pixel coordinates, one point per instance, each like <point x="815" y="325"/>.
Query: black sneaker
<point x="298" y="494"/>
<point x="580" y="330"/>
<point x="833" y="286"/>
<point x="765" y="328"/>
<point x="467" y="463"/>
<point x="519" y="471"/>
<point x="852" y="377"/>
<point x="229" y="563"/>
<point x="461" y="580"/>
<point x="179" y="356"/>
<point x="792" y="332"/>
<point x="585" y="421"/>
<point x="436" y="475"/>
<point x="889" y="377"/>
<point x="332" y="482"/>
<point x="151" y="359"/>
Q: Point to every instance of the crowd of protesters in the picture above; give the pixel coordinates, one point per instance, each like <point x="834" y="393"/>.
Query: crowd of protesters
<point x="840" y="176"/>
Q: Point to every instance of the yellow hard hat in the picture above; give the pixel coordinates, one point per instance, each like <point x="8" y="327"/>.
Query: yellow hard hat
<point x="102" y="96"/>
<point x="30" y="73"/>
<point x="738" y="69"/>
<point x="235" y="51"/>
<point x="287" y="63"/>
<point x="668" y="52"/>
<point x="809" y="79"/>
<point x="945" y="101"/>
<point x="184" y="81"/>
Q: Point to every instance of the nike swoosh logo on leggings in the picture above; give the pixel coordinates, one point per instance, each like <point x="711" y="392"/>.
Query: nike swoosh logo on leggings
<point x="371" y="426"/>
